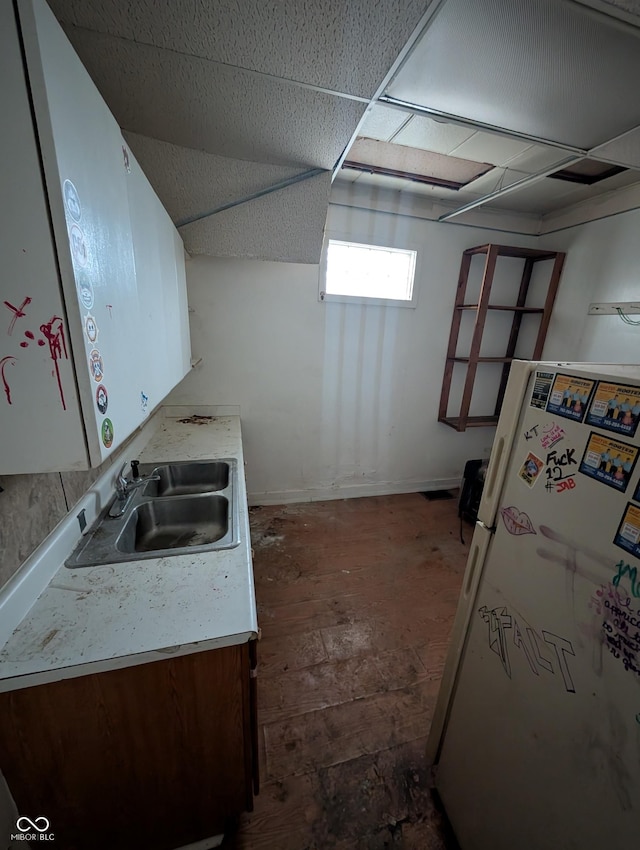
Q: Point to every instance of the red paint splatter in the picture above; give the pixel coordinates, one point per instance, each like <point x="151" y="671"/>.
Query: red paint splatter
<point x="5" y="385"/>
<point x="24" y="345"/>
<point x="29" y="334"/>
<point x="53" y="331"/>
<point x="18" y="313"/>
<point x="41" y="342"/>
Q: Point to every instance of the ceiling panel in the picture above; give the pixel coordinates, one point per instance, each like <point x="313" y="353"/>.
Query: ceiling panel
<point x="191" y="182"/>
<point x="489" y="147"/>
<point x="199" y="104"/>
<point x="345" y="45"/>
<point x="546" y="68"/>
<point x="388" y="155"/>
<point x="432" y="135"/>
<point x="382" y="122"/>
<point x="576" y="193"/>
<point x="625" y="150"/>
<point x="496" y="179"/>
<point x="538" y="198"/>
<point x="538" y="158"/>
<point x="287" y="225"/>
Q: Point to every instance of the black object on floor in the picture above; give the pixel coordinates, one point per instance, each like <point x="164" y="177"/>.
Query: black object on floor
<point x="437" y="495"/>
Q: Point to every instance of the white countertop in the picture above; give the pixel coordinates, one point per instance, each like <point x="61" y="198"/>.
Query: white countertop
<point x="93" y="619"/>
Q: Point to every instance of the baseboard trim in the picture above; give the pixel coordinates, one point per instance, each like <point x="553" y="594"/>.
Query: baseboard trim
<point x="353" y="491"/>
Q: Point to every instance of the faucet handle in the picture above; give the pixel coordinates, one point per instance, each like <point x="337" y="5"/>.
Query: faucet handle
<point x="121" y="481"/>
<point x="135" y="472"/>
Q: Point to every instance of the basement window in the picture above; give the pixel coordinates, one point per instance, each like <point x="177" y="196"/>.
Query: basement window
<point x="365" y="273"/>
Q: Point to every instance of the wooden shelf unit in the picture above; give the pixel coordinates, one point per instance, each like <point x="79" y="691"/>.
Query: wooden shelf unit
<point x="531" y="256"/>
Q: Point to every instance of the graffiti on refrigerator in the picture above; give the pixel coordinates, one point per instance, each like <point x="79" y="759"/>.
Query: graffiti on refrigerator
<point x="506" y="631"/>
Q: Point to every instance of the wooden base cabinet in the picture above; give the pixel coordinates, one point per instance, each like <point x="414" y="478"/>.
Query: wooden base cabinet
<point x="151" y="757"/>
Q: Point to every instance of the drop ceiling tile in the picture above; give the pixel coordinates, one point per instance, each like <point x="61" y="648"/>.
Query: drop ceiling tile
<point x="381" y="122"/>
<point x="345" y="46"/>
<point x="287" y="226"/>
<point x="489" y="147"/>
<point x="625" y="150"/>
<point x="537" y="158"/>
<point x="549" y="69"/>
<point x="227" y="111"/>
<point x="495" y="179"/>
<point x="348" y="175"/>
<point x="388" y="155"/>
<point x="535" y="198"/>
<point x="576" y="193"/>
<point x="383" y="181"/>
<point x="191" y="182"/>
<point x="433" y="135"/>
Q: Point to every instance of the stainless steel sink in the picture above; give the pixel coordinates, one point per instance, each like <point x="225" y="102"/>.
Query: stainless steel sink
<point x="188" y="477"/>
<point x="175" y="524"/>
<point x="191" y="508"/>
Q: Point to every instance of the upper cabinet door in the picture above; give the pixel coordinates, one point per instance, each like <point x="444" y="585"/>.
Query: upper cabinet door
<point x="86" y="169"/>
<point x="40" y="423"/>
<point x="162" y="293"/>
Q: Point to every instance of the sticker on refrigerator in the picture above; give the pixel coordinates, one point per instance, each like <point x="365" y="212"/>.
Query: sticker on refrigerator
<point x="72" y="200"/>
<point x="552" y="433"/>
<point x="102" y="399"/>
<point x="96" y="365"/>
<point x="90" y="328"/>
<point x="541" y="390"/>
<point x="628" y="533"/>
<point x="107" y="433"/>
<point x="615" y="407"/>
<point x="570" y="396"/>
<point x="609" y="461"/>
<point x="85" y="291"/>
<point x="530" y="469"/>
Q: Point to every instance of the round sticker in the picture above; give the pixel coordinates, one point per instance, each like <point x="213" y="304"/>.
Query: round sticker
<point x="85" y="292"/>
<point x="102" y="399"/>
<point x="96" y="365"/>
<point x="71" y="200"/>
<point x="78" y="245"/>
<point x="107" y="433"/>
<point x="90" y="328"/>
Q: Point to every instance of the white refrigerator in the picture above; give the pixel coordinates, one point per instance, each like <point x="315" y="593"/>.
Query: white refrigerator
<point x="536" y="733"/>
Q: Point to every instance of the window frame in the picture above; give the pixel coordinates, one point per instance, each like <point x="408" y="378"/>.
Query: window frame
<point x="364" y="300"/>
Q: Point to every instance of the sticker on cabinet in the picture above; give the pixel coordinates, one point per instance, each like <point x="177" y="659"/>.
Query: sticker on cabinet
<point x="85" y="291"/>
<point x="90" y="328"/>
<point x="78" y="246"/>
<point x="615" y="407"/>
<point x="71" y="200"/>
<point x="569" y="396"/>
<point x="96" y="365"/>
<point x="609" y="461"/>
<point x="102" y="399"/>
<point x="107" y="433"/>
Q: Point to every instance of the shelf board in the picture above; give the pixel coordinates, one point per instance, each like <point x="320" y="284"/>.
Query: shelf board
<point x="472" y="421"/>
<point x="511" y="251"/>
<point x="481" y="359"/>
<point x="502" y="307"/>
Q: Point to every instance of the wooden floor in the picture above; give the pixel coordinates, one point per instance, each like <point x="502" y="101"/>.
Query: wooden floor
<point x="355" y="601"/>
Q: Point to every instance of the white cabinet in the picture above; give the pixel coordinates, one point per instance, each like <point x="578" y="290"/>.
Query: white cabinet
<point x="93" y="319"/>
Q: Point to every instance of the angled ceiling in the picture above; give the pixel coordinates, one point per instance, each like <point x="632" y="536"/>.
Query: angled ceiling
<point x="263" y="88"/>
<point x="221" y="102"/>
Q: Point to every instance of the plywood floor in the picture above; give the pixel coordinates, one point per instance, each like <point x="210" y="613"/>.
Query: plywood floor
<point x="355" y="600"/>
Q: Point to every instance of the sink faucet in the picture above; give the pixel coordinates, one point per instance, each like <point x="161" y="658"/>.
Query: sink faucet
<point x="125" y="488"/>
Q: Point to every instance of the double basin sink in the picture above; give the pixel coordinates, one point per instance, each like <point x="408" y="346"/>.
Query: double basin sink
<point x="183" y="508"/>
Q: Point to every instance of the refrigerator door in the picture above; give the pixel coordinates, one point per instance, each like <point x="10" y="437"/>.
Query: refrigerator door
<point x="542" y="744"/>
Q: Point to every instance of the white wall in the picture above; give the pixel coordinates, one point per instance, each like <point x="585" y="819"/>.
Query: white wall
<point x="336" y="400"/>
<point x="603" y="264"/>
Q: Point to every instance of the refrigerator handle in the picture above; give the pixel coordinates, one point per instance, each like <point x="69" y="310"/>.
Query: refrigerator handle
<point x="494" y="466"/>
